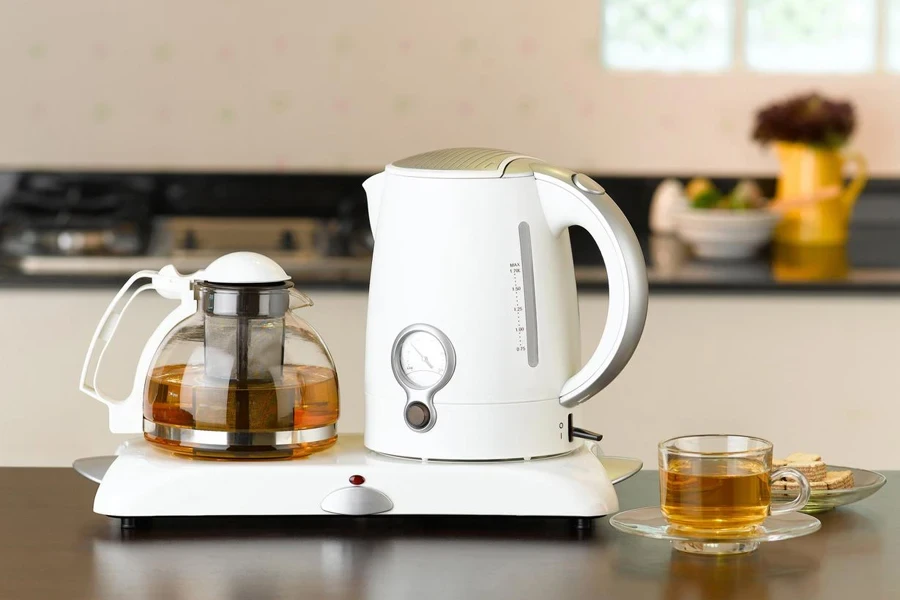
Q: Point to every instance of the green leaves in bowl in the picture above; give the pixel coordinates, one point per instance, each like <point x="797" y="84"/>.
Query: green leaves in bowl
<point x="746" y="195"/>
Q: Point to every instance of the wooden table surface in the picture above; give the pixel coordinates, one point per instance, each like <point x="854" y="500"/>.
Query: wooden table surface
<point x="53" y="546"/>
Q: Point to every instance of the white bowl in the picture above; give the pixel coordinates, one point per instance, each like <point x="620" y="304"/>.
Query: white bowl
<point x="725" y="234"/>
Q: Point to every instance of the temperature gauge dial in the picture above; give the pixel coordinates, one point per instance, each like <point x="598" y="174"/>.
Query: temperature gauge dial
<point x="423" y="360"/>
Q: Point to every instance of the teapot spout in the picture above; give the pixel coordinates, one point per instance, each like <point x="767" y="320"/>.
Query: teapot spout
<point x="299" y="299"/>
<point x="374" y="187"/>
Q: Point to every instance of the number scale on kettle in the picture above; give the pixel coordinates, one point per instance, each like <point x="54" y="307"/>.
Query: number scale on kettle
<point x="515" y="269"/>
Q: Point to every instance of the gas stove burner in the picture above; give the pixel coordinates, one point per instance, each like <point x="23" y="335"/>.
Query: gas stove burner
<point x="114" y="224"/>
<point x="76" y="215"/>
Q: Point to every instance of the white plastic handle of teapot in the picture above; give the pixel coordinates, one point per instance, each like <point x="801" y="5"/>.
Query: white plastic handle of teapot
<point x="126" y="414"/>
<point x="565" y="205"/>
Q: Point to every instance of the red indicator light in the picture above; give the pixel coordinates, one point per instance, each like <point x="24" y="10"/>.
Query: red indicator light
<point x="357" y="479"/>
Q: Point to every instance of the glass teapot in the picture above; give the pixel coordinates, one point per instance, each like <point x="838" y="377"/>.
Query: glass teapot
<point x="232" y="372"/>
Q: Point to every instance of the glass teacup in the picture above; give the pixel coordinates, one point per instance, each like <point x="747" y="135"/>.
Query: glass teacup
<point x="721" y="484"/>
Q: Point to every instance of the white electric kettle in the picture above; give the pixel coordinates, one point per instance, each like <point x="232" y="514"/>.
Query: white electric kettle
<point x="473" y="339"/>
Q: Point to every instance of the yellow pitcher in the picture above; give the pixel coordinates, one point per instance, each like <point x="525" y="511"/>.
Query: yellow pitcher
<point x="805" y="172"/>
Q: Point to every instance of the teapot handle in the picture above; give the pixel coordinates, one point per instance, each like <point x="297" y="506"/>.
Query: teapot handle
<point x="125" y="414"/>
<point x="574" y="199"/>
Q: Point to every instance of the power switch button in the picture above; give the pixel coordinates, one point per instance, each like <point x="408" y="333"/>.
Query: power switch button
<point x="417" y="415"/>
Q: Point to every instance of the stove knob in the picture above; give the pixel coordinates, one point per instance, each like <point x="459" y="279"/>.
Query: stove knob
<point x="190" y="240"/>
<point x="288" y="242"/>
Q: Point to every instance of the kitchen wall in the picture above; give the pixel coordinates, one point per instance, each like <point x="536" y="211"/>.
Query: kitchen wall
<point x="350" y="85"/>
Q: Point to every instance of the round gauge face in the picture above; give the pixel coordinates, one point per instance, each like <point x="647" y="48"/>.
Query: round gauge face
<point x="423" y="359"/>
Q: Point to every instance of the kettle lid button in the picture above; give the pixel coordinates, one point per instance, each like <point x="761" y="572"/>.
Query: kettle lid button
<point x="586" y="184"/>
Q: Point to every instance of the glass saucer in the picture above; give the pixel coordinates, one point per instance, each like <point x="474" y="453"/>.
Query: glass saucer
<point x="650" y="522"/>
<point x="865" y="483"/>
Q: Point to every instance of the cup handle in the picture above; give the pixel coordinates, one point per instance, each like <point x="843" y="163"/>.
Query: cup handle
<point x="797" y="503"/>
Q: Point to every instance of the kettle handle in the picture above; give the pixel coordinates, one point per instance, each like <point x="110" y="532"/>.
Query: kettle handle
<point x="570" y="199"/>
<point x="125" y="414"/>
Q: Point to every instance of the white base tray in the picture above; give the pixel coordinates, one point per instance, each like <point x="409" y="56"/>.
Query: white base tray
<point x="143" y="481"/>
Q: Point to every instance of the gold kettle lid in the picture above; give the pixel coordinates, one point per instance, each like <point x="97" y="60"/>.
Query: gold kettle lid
<point x="487" y="162"/>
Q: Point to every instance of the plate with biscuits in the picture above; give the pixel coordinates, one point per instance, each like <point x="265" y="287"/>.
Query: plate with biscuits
<point x="832" y="486"/>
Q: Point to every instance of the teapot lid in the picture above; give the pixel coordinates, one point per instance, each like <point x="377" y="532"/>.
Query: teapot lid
<point x="244" y="267"/>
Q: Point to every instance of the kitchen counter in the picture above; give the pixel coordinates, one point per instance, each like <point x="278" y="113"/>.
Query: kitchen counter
<point x="53" y="546"/>
<point x="869" y="263"/>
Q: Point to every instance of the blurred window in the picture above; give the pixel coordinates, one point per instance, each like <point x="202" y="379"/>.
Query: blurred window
<point x="893" y="35"/>
<point x="811" y="36"/>
<point x="667" y="35"/>
<point x="774" y="36"/>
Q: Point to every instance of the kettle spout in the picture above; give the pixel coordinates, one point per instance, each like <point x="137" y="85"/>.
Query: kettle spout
<point x="374" y="187"/>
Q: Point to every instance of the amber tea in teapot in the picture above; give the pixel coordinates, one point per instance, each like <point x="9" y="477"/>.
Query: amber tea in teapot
<point x="305" y="397"/>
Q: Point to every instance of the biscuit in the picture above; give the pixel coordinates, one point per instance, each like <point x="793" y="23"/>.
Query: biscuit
<point x="803" y="457"/>
<point x="791" y="484"/>
<point x="813" y="471"/>
<point x="839" y="480"/>
<point x="778" y="463"/>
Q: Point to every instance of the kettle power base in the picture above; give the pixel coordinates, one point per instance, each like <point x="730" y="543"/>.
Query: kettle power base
<point x="384" y="525"/>
<point x="143" y="482"/>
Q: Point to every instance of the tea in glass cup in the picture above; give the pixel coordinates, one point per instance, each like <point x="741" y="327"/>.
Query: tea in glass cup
<point x="721" y="484"/>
